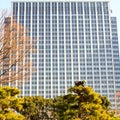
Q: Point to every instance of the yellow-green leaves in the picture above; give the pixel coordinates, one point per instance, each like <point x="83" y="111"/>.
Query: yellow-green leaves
<point x="10" y="104"/>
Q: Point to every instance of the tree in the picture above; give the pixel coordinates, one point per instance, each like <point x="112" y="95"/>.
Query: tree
<point x="10" y="104"/>
<point x="35" y="108"/>
<point x="14" y="51"/>
<point x="82" y="103"/>
<point x="64" y="108"/>
<point x="105" y="102"/>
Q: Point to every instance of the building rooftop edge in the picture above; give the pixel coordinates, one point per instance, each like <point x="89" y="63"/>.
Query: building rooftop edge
<point x="58" y="0"/>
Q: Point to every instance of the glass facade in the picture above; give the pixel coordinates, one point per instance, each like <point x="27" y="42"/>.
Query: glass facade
<point x="75" y="40"/>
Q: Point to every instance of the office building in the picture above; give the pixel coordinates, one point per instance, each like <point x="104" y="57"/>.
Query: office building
<point x="74" y="40"/>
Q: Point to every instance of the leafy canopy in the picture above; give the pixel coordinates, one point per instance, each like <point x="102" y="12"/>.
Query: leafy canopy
<point x="10" y="104"/>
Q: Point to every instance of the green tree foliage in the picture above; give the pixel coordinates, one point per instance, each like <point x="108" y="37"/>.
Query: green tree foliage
<point x="82" y="103"/>
<point x="115" y="118"/>
<point x="10" y="104"/>
<point x="35" y="108"/>
<point x="105" y="102"/>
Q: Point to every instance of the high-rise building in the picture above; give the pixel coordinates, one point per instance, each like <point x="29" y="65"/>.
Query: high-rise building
<point x="74" y="40"/>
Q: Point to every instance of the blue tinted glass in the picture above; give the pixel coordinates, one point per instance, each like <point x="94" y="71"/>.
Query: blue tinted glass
<point x="73" y="8"/>
<point x="80" y="8"/>
<point x="67" y="8"/>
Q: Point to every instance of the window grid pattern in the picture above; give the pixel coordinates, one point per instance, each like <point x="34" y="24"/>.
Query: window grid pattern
<point x="73" y="42"/>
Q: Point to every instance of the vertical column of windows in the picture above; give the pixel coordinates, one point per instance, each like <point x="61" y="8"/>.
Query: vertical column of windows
<point x="47" y="49"/>
<point x="96" y="48"/>
<point x="105" y="90"/>
<point x="16" y="68"/>
<point x="24" y="60"/>
<point x="81" y="41"/>
<point x="84" y="29"/>
<point x="64" y="48"/>
<point x="27" y="22"/>
<point x="34" y="47"/>
<point x="30" y="82"/>
<point x="113" y="85"/>
<point x="115" y="46"/>
<point x="44" y="50"/>
<point x="55" y="53"/>
<point x="108" y="47"/>
<point x="41" y="48"/>
<point x="68" y="45"/>
<point x="58" y="49"/>
<point x="61" y="47"/>
<point x="90" y="65"/>
<point x="74" y="41"/>
<point x="78" y="51"/>
<point x="20" y="22"/>
<point x="14" y="19"/>
<point x="108" y="41"/>
<point x="101" y="41"/>
<point x="51" y="38"/>
<point x="96" y="42"/>
<point x="71" y="45"/>
<point x="37" y="49"/>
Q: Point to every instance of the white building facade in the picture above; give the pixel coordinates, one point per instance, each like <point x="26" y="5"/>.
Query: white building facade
<point x="73" y="40"/>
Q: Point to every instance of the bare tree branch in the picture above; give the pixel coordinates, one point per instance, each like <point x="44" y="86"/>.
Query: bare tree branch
<point x="14" y="51"/>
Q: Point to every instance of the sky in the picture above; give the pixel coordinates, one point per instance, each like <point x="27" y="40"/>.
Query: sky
<point x="115" y="6"/>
